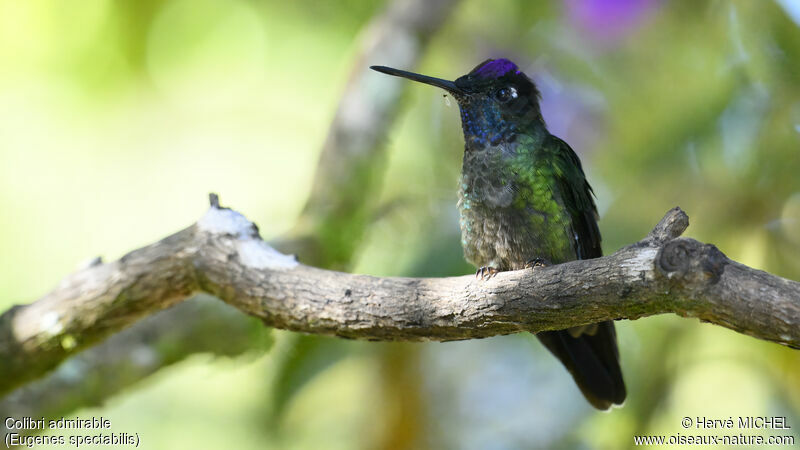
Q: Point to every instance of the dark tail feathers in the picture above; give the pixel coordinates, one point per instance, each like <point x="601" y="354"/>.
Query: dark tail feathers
<point x="593" y="361"/>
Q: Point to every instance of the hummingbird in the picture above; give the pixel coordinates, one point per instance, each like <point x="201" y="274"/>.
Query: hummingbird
<point x="524" y="201"/>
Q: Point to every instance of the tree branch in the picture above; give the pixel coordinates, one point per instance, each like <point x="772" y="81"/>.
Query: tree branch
<point x="350" y="166"/>
<point x="157" y="341"/>
<point x="223" y="255"/>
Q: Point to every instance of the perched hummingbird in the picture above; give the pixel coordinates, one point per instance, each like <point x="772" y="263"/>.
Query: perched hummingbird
<point x="524" y="201"/>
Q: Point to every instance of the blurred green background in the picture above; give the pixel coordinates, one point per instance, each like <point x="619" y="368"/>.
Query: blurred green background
<point x="118" y="117"/>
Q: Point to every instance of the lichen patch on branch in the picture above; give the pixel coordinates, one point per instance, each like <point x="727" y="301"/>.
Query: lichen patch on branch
<point x="257" y="254"/>
<point x="641" y="263"/>
<point x="227" y="221"/>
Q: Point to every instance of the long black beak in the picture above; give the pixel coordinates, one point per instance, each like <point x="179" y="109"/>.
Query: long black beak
<point x="447" y="85"/>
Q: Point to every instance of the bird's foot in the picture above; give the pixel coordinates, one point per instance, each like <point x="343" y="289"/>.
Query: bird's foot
<point x="537" y="262"/>
<point x="486" y="272"/>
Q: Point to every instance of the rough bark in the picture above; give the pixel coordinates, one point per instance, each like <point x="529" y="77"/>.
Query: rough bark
<point x="223" y="255"/>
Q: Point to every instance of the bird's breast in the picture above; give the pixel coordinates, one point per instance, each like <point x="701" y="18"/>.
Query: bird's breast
<point x="504" y="227"/>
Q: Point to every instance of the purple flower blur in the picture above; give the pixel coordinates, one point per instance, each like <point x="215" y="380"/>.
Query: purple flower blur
<point x="608" y="20"/>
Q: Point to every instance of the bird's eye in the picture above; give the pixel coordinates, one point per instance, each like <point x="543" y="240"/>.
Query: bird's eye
<point x="506" y="94"/>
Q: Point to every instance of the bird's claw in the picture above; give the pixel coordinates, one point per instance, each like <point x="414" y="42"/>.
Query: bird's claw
<point x="537" y="262"/>
<point x="486" y="272"/>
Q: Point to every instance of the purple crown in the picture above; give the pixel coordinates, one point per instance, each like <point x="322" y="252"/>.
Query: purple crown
<point x="495" y="68"/>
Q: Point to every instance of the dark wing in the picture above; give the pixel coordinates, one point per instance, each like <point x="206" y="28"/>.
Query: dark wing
<point x="579" y="198"/>
<point x="590" y="352"/>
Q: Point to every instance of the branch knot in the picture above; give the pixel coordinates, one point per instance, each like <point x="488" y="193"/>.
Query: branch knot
<point x="671" y="226"/>
<point x="691" y="261"/>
